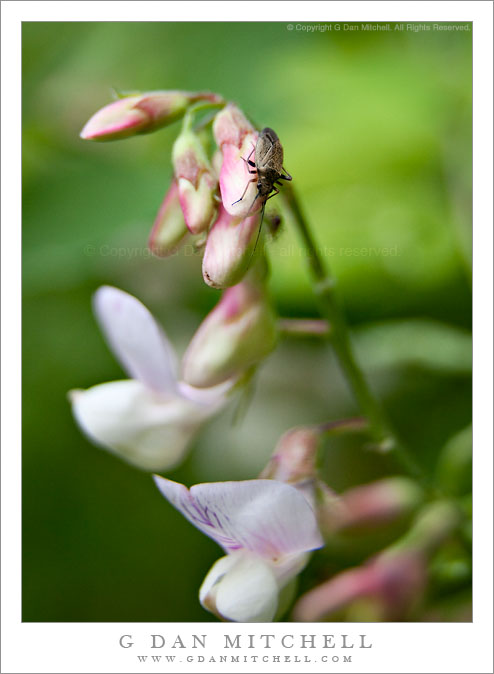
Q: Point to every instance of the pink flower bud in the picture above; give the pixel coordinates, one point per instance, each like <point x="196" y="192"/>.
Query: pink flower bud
<point x="239" y="332"/>
<point x="229" y="249"/>
<point x="372" y="505"/>
<point x="169" y="227"/>
<point x="388" y="585"/>
<point x="383" y="589"/>
<point x="236" y="137"/>
<point x="294" y="458"/>
<point x="196" y="181"/>
<point x="141" y="113"/>
<point x="231" y="126"/>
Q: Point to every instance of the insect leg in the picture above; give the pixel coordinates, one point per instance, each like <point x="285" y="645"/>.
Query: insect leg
<point x="249" y="163"/>
<point x="246" y="188"/>
<point x="287" y="177"/>
<point x="276" y="191"/>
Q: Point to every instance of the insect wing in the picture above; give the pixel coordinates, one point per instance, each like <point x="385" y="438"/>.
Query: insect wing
<point x="269" y="151"/>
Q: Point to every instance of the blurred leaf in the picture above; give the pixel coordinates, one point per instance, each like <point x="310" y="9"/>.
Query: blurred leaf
<point x="423" y="343"/>
<point x="454" y="466"/>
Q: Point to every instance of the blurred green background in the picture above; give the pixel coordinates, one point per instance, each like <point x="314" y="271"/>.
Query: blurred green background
<point x="376" y="129"/>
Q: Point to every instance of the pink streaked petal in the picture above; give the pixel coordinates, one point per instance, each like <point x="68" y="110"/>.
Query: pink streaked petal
<point x="136" y="339"/>
<point x="269" y="518"/>
<point x="235" y="176"/>
<point x="115" y="119"/>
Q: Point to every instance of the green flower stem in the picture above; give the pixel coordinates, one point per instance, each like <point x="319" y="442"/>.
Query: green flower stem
<point x="204" y="105"/>
<point x="324" y="288"/>
<point x="304" y="327"/>
<point x="353" y="425"/>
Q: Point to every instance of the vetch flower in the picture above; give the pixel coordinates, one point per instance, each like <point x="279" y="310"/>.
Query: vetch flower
<point x="169" y="228"/>
<point x="150" y="419"/>
<point x="197" y="182"/>
<point x="267" y="529"/>
<point x="141" y="113"/>
<point x="236" y="138"/>
<point x="239" y="332"/>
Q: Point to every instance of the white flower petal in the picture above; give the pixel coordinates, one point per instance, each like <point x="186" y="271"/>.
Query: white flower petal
<point x="146" y="429"/>
<point x="216" y="572"/>
<point x="136" y="339"/>
<point x="214" y="396"/>
<point x="241" y="588"/>
<point x="269" y="518"/>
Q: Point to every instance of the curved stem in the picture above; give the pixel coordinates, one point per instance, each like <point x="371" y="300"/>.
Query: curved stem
<point x="324" y="288"/>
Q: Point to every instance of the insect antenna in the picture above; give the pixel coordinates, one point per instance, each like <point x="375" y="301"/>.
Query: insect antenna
<point x="258" y="231"/>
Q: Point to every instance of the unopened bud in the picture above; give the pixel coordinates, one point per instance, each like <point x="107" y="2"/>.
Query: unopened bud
<point x="385" y="588"/>
<point x="141" y="113"/>
<point x="239" y="332"/>
<point x="236" y="137"/>
<point x="196" y="180"/>
<point x="294" y="458"/>
<point x="372" y="505"/>
<point x="169" y="228"/>
<point x="229" y="249"/>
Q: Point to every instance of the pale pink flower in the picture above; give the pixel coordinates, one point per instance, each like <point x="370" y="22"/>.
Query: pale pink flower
<point x="150" y="419"/>
<point x="267" y="529"/>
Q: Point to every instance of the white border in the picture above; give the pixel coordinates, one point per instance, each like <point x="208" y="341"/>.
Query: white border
<point x="53" y="647"/>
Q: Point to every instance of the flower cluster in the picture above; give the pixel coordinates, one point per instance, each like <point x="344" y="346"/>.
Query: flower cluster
<point x="267" y="527"/>
<point x="192" y="206"/>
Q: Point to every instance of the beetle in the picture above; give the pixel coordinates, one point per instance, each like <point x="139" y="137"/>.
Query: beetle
<point x="267" y="165"/>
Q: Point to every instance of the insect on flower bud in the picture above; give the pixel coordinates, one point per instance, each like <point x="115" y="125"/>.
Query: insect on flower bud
<point x="169" y="228"/>
<point x="229" y="249"/>
<point x="238" y="333"/>
<point x="141" y="113"/>
<point x="196" y="180"/>
<point x="236" y="137"/>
